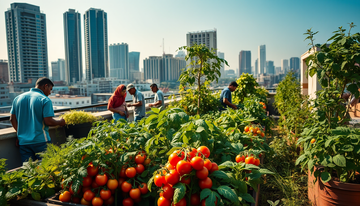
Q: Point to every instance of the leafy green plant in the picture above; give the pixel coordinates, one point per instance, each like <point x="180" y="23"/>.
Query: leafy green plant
<point x="248" y="87"/>
<point x="78" y="117"/>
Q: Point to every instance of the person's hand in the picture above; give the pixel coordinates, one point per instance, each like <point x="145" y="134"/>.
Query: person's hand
<point x="17" y="142"/>
<point x="234" y="106"/>
<point x="129" y="105"/>
<point x="151" y="105"/>
<point x="62" y="122"/>
<point x="121" y="113"/>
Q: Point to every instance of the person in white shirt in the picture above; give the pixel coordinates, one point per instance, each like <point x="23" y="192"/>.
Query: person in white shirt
<point x="159" y="97"/>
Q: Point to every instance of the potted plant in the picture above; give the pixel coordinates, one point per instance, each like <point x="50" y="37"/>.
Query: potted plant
<point x="78" y="123"/>
<point x="331" y="147"/>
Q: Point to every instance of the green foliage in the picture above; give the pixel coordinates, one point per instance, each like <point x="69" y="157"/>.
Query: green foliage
<point x="294" y="108"/>
<point x="204" y="67"/>
<point x="78" y="117"/>
<point x="247" y="87"/>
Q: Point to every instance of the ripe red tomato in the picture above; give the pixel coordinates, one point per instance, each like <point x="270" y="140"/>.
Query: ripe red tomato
<point x="174" y="159"/>
<point x="214" y="167"/>
<point x="147" y="161"/>
<point x="202" y="174"/>
<point x="183" y="167"/>
<point x="170" y="167"/>
<point x="143" y="188"/>
<point x="195" y="199"/>
<point x="112" y="184"/>
<point x="88" y="195"/>
<point x="192" y="153"/>
<point x="105" y="194"/>
<point x="197" y="163"/>
<point x="256" y="162"/>
<point x="65" y="196"/>
<point x="204" y="151"/>
<point x="172" y="177"/>
<point x="110" y="201"/>
<point x="128" y="202"/>
<point x="182" y="202"/>
<point x="139" y="159"/>
<point x="249" y="160"/>
<point x="159" y="180"/>
<point x="97" y="201"/>
<point x="130" y="172"/>
<point x="140" y="168"/>
<point x="84" y="202"/>
<point x="168" y="192"/>
<point x="208" y="164"/>
<point x="87" y="181"/>
<point x="121" y="180"/>
<point x="240" y="158"/>
<point x="126" y="187"/>
<point x="185" y="180"/>
<point x="135" y="193"/>
<point x="205" y="183"/>
<point x="101" y="180"/>
<point x="75" y="200"/>
<point x="92" y="170"/>
<point x="72" y="192"/>
<point x="162" y="201"/>
<point x="122" y="172"/>
<point x="246" y="129"/>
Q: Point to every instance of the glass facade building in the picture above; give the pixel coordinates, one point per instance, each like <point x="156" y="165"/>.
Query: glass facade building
<point x="244" y="62"/>
<point x="73" y="54"/>
<point x="119" y="60"/>
<point x="134" y="61"/>
<point x="96" y="44"/>
<point x="26" y="42"/>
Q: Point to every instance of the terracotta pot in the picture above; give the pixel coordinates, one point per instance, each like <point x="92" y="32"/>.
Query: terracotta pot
<point x="312" y="188"/>
<point x="337" y="193"/>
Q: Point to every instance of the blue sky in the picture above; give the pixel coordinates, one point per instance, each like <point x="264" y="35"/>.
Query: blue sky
<point x="240" y="24"/>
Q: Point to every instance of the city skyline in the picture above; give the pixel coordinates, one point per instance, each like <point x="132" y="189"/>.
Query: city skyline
<point x="283" y="37"/>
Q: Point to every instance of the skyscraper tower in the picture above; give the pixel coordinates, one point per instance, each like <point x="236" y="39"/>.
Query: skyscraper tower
<point x="284" y="66"/>
<point x="73" y="56"/>
<point x="222" y="68"/>
<point x="134" y="61"/>
<point x="202" y="37"/>
<point x="262" y="59"/>
<point x="119" y="60"/>
<point x="244" y="62"/>
<point x="96" y="44"/>
<point x="26" y="42"/>
<point x="256" y="67"/>
<point x="294" y="63"/>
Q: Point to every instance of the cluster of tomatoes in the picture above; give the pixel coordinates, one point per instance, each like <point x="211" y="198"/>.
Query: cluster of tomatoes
<point x="248" y="159"/>
<point x="254" y="131"/>
<point x="180" y="164"/>
<point x="263" y="104"/>
<point x="97" y="189"/>
<point x="131" y="188"/>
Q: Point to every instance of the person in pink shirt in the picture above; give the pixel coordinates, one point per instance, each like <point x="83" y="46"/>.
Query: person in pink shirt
<point x="117" y="103"/>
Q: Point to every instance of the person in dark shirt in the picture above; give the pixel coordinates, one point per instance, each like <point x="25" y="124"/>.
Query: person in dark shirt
<point x="225" y="97"/>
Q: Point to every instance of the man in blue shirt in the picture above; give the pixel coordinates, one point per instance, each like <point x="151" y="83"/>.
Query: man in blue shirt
<point x="159" y="97"/>
<point x="31" y="115"/>
<point x="138" y="102"/>
<point x="225" y="97"/>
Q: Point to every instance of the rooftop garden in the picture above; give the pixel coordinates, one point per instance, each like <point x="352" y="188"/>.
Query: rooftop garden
<point x="190" y="153"/>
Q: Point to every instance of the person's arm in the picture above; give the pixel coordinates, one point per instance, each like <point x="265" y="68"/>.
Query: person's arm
<point x="158" y="103"/>
<point x="137" y="104"/>
<point x="13" y="121"/>
<point x="229" y="104"/>
<point x="50" y="121"/>
<point x="116" y="111"/>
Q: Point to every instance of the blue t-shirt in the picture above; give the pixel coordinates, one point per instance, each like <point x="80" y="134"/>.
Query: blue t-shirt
<point x="30" y="109"/>
<point x="159" y="96"/>
<point x="139" y="97"/>
<point x="225" y="93"/>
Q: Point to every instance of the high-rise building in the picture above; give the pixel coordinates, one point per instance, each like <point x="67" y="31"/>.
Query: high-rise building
<point x="164" y="68"/>
<point x="26" y="42"/>
<point x="284" y="66"/>
<point x="4" y="71"/>
<point x="73" y="52"/>
<point x="119" y="60"/>
<point x="55" y="71"/>
<point x="134" y="61"/>
<point x="222" y="68"/>
<point x="294" y="63"/>
<point x="152" y="68"/>
<point x="96" y="44"/>
<point x="244" y="62"/>
<point x="270" y="68"/>
<point x="62" y="69"/>
<point x="256" y="70"/>
<point x="262" y="59"/>
<point x="181" y="54"/>
<point x="277" y="70"/>
<point x="208" y="38"/>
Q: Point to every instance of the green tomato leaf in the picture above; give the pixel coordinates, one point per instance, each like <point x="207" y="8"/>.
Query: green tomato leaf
<point x="179" y="193"/>
<point x="205" y="193"/>
<point x="36" y="196"/>
<point x="220" y="174"/>
<point x="247" y="197"/>
<point x="340" y="160"/>
<point x="325" y="177"/>
<point x="228" y="193"/>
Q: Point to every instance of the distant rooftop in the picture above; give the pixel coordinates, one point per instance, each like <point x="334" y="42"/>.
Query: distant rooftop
<point x="202" y="31"/>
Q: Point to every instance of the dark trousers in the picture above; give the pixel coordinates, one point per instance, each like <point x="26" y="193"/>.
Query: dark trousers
<point x="31" y="150"/>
